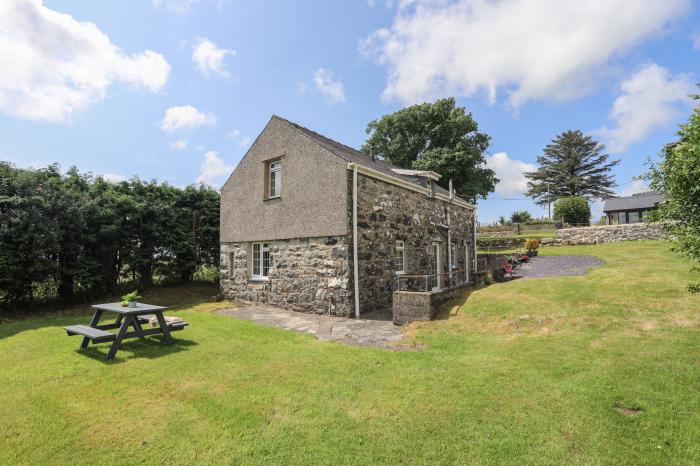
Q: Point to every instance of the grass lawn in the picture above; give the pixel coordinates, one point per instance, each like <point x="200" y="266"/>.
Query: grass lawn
<point x="601" y="368"/>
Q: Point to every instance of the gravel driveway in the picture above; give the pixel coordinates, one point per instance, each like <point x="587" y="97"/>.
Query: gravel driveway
<point x="556" y="266"/>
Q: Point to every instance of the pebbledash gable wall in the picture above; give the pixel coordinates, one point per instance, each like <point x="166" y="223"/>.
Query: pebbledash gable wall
<point x="609" y="233"/>
<point x="387" y="213"/>
<point x="307" y="274"/>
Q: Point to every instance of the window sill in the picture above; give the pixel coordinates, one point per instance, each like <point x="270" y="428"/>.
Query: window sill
<point x="259" y="279"/>
<point x="400" y="273"/>
<point x="273" y="198"/>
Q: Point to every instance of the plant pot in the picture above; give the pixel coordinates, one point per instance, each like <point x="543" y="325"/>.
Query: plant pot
<point x="133" y="304"/>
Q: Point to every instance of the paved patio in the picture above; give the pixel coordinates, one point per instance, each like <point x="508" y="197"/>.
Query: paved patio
<point x="372" y="330"/>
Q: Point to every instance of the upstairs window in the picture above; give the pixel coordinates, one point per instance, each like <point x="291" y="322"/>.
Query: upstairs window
<point x="273" y="179"/>
<point x="400" y="257"/>
<point x="260" y="261"/>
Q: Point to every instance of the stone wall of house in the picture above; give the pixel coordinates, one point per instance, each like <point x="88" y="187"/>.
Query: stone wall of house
<point x="308" y="275"/>
<point x="609" y="233"/>
<point x="387" y="213"/>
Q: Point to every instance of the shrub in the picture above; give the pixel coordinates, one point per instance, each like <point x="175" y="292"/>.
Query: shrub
<point x="531" y="244"/>
<point x="574" y="210"/>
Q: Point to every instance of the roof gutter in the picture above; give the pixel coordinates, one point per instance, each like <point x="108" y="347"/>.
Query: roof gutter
<point x="406" y="184"/>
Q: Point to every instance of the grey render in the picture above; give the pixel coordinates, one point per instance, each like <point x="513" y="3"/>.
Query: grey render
<point x="309" y="228"/>
<point x="630" y="209"/>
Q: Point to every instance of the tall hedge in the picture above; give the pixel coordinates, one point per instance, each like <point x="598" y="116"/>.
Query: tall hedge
<point x="574" y="210"/>
<point x="70" y="235"/>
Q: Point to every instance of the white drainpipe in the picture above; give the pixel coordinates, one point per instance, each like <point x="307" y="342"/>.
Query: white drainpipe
<point x="474" y="230"/>
<point x="354" y="242"/>
<point x="449" y="237"/>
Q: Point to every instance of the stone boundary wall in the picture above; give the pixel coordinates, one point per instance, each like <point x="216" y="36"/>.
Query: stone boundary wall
<point x="609" y="234"/>
<point x="496" y="233"/>
<point x="411" y="306"/>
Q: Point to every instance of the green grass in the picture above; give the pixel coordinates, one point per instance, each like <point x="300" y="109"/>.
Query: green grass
<point x="526" y="372"/>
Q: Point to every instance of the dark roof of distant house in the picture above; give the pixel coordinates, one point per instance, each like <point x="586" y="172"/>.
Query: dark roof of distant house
<point x="355" y="156"/>
<point x="645" y="200"/>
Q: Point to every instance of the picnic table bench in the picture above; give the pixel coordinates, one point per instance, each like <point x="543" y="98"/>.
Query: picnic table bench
<point x="127" y="317"/>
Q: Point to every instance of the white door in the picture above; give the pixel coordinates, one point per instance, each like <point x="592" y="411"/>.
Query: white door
<point x="435" y="267"/>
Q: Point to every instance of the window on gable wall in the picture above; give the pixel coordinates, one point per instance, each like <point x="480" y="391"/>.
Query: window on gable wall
<point x="400" y="257"/>
<point x="273" y="179"/>
<point x="260" y="261"/>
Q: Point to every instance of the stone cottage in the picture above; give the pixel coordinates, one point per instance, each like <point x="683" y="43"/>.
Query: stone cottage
<point x="313" y="225"/>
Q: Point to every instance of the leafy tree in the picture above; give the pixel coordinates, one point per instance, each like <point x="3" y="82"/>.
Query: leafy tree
<point x="573" y="164"/>
<point x="520" y="216"/>
<point x="677" y="177"/>
<point x="437" y="136"/>
<point x="573" y="209"/>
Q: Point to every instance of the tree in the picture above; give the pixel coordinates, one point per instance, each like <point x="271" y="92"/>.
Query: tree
<point x="520" y="216"/>
<point x="573" y="164"/>
<point x="676" y="176"/>
<point x="573" y="209"/>
<point x="437" y="136"/>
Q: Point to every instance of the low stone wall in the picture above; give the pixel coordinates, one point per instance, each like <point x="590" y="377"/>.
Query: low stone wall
<point x="609" y="234"/>
<point x="493" y="264"/>
<point x="411" y="306"/>
<point x="497" y="233"/>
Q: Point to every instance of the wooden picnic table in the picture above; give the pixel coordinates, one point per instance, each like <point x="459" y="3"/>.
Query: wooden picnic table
<point x="127" y="317"/>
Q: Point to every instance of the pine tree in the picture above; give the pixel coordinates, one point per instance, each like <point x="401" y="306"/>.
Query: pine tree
<point x="573" y="164"/>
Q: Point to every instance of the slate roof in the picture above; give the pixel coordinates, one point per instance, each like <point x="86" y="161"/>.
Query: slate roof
<point x="349" y="154"/>
<point x="645" y="200"/>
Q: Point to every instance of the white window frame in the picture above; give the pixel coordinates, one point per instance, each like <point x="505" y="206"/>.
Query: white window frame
<point x="274" y="175"/>
<point x="400" y="246"/>
<point x="263" y="249"/>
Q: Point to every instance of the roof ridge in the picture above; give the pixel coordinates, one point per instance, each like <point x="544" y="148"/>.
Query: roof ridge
<point x="351" y="154"/>
<point x="304" y="128"/>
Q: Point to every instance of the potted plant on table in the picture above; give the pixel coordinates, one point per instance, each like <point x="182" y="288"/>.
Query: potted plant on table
<point x="532" y="245"/>
<point x="129" y="299"/>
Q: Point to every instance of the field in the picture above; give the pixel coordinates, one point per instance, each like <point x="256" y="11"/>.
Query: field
<point x="600" y="368"/>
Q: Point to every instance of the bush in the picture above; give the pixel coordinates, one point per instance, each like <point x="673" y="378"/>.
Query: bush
<point x="531" y="244"/>
<point x="574" y="210"/>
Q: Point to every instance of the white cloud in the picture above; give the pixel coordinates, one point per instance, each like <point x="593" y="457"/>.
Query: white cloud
<point x="510" y="172"/>
<point x="179" y="7"/>
<point x="53" y="65"/>
<point x="696" y="41"/>
<point x="234" y="134"/>
<point x="245" y="142"/>
<point x="213" y="168"/>
<point x="531" y="49"/>
<point x="114" y="177"/>
<point x="636" y="186"/>
<point x="648" y="101"/>
<point x="329" y="85"/>
<point x="185" y="117"/>
<point x="210" y="58"/>
<point x="180" y="144"/>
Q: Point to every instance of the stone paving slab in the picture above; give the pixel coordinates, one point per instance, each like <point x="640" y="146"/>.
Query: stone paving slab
<point x="375" y="331"/>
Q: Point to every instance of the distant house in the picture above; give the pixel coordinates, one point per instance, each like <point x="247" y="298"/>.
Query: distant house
<point x="313" y="225"/>
<point x="631" y="209"/>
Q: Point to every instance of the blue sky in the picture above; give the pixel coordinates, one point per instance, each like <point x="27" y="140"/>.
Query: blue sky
<point x="177" y="89"/>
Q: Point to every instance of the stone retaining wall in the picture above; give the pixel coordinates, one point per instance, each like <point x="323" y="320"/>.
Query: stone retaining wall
<point x="609" y="234"/>
<point x="308" y="275"/>
<point x="411" y="306"/>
